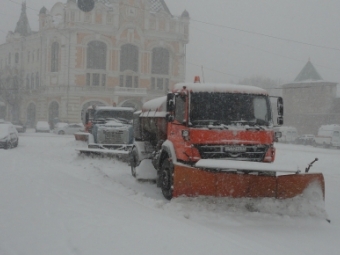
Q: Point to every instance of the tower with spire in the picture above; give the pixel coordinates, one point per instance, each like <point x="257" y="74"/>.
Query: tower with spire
<point x="310" y="101"/>
<point x="23" y="27"/>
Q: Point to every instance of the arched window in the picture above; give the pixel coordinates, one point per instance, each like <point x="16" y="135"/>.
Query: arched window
<point x="32" y="81"/>
<point x="55" y="57"/>
<point x="37" y="82"/>
<point x="160" y="69"/>
<point x="129" y="63"/>
<point x="96" y="60"/>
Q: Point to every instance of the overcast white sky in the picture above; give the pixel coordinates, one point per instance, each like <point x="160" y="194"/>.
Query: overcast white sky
<point x="228" y="54"/>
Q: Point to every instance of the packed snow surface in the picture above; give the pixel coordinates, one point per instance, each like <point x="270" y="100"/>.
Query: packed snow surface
<point x="54" y="201"/>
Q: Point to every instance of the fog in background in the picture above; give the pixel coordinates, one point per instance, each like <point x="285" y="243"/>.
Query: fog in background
<point x="242" y="38"/>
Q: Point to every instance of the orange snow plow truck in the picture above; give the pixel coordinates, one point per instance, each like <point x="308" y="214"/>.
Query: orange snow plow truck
<point x="215" y="140"/>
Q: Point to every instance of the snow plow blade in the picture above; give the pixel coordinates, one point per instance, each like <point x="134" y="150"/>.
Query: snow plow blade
<point x="241" y="183"/>
<point x="81" y="136"/>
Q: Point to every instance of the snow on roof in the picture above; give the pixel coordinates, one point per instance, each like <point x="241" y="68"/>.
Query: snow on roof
<point x="222" y="88"/>
<point x="155" y="107"/>
<point x="113" y="108"/>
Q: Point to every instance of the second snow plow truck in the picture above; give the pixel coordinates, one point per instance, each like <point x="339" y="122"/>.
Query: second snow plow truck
<point x="215" y="140"/>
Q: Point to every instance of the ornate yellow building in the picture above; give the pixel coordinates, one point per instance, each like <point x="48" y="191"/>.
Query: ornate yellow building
<point x="123" y="52"/>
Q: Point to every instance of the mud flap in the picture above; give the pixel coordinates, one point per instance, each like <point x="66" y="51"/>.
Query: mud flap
<point x="191" y="182"/>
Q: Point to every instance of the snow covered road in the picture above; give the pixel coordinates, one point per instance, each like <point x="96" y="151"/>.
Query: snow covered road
<point x="54" y="201"/>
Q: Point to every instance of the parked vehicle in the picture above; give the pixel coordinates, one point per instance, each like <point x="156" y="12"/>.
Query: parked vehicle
<point x="214" y="140"/>
<point x="67" y="129"/>
<point x="42" y="126"/>
<point x="288" y="134"/>
<point x="306" y="139"/>
<point x="8" y="136"/>
<point x="328" y="136"/>
<point x="111" y="131"/>
<point x="21" y="128"/>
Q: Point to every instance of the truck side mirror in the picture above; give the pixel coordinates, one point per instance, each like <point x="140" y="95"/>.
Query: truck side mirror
<point x="280" y="120"/>
<point x="169" y="117"/>
<point x="280" y="106"/>
<point x="170" y="102"/>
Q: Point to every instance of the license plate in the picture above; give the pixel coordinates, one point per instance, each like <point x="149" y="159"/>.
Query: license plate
<point x="235" y="149"/>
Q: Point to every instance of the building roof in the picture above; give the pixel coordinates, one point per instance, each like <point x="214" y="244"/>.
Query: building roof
<point x="158" y="5"/>
<point x="308" y="73"/>
<point x="155" y="5"/>
<point x="23" y="27"/>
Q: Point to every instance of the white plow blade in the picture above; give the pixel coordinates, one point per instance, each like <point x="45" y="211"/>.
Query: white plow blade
<point x="232" y="165"/>
<point x="104" y="151"/>
<point x="146" y="171"/>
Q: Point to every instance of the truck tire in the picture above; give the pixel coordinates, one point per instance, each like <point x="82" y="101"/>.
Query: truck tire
<point x="133" y="162"/>
<point x="166" y="178"/>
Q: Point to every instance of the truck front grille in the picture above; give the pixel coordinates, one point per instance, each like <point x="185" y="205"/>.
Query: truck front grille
<point x="235" y="152"/>
<point x="116" y="137"/>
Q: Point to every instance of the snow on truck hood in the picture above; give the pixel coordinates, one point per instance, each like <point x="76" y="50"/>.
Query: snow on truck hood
<point x="222" y="88"/>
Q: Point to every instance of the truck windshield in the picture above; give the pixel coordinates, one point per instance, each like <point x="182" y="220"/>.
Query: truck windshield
<point x="229" y="109"/>
<point x="109" y="114"/>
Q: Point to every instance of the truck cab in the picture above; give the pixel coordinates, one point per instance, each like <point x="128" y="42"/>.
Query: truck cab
<point x="112" y="125"/>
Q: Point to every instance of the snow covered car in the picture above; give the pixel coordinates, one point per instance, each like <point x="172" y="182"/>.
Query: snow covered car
<point x="19" y="126"/>
<point x="306" y="139"/>
<point x="68" y="129"/>
<point x="8" y="136"/>
<point x="42" y="126"/>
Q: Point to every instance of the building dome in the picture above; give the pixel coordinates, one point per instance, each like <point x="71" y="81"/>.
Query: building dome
<point x="43" y="10"/>
<point x="185" y="14"/>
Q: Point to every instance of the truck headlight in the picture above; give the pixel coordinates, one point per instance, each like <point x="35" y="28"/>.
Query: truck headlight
<point x="186" y="134"/>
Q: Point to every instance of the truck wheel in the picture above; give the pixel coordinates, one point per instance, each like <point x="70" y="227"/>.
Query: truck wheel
<point x="166" y="178"/>
<point x="134" y="162"/>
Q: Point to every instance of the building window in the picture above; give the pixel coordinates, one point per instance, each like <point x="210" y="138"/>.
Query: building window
<point x="96" y="79"/>
<point x="88" y="17"/>
<point x="159" y="83"/>
<point x="129" y="58"/>
<point x="16" y="58"/>
<point x="55" y="57"/>
<point x="160" y="69"/>
<point x="128" y="80"/>
<point x="109" y="18"/>
<point x="27" y="81"/>
<point x="129" y="62"/>
<point x="32" y="81"/>
<point x="37" y="82"/>
<point x="96" y="55"/>
<point x="72" y="16"/>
